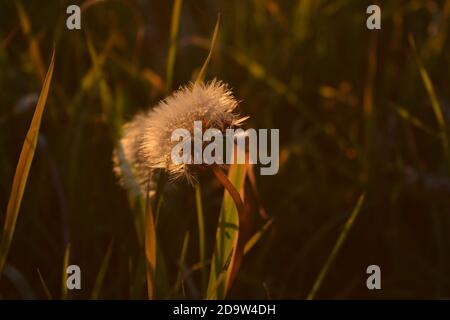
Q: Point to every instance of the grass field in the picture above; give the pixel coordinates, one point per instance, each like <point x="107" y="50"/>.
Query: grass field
<point x="364" y="157"/>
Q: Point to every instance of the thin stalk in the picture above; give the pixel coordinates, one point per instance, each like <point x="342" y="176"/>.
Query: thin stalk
<point x="336" y="249"/>
<point x="201" y="235"/>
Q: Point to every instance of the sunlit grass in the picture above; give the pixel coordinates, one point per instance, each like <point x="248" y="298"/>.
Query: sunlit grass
<point x="23" y="168"/>
<point x="387" y="116"/>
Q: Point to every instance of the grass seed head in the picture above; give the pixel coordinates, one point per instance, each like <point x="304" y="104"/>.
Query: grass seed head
<point x="146" y="141"/>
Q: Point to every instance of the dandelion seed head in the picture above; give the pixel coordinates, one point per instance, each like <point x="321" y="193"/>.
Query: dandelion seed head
<point x="146" y="143"/>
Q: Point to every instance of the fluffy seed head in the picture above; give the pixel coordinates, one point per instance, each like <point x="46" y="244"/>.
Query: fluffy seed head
<point x="146" y="143"/>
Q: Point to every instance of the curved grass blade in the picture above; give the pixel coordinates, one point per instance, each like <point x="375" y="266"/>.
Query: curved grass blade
<point x="226" y="237"/>
<point x="201" y="75"/>
<point x="336" y="248"/>
<point x="23" y="168"/>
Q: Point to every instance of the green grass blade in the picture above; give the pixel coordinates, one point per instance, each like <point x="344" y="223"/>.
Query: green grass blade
<point x="181" y="262"/>
<point x="336" y="248"/>
<point x="226" y="238"/>
<point x="101" y="274"/>
<point x="433" y="99"/>
<point x="201" y="75"/>
<point x="173" y="43"/>
<point x="198" y="197"/>
<point x="201" y="235"/>
<point x="23" y="168"/>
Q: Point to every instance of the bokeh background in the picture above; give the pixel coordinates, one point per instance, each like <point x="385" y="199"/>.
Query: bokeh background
<point x="354" y="117"/>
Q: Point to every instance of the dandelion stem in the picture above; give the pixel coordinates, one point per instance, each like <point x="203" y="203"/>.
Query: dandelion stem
<point x="230" y="188"/>
<point x="240" y="244"/>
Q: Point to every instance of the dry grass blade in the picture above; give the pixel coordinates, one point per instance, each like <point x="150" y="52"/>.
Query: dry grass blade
<point x="150" y="249"/>
<point x="336" y="248"/>
<point x="23" y="168"/>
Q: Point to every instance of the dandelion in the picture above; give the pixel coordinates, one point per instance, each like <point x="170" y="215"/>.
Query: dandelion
<point x="146" y="144"/>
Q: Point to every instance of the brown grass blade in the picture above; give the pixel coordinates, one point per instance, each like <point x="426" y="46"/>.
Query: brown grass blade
<point x="23" y="168"/>
<point x="150" y="250"/>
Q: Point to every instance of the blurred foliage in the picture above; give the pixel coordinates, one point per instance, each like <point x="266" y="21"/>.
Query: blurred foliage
<point x="354" y="116"/>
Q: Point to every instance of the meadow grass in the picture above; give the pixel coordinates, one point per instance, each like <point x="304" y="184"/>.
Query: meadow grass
<point x="357" y="111"/>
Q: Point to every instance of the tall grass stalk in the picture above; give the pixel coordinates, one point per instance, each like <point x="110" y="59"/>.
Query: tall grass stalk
<point x="201" y="235"/>
<point x="175" y="25"/>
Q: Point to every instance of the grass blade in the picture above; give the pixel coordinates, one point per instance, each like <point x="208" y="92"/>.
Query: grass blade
<point x="201" y="235"/>
<point x="101" y="274"/>
<point x="150" y="250"/>
<point x="416" y="122"/>
<point x="198" y="197"/>
<point x="64" y="273"/>
<point x="33" y="48"/>
<point x="173" y="43"/>
<point x="201" y="75"/>
<point x="23" y="168"/>
<point x="433" y="99"/>
<point x="44" y="286"/>
<point x="336" y="248"/>
<point x="226" y="237"/>
<point x="255" y="238"/>
<point x="181" y="262"/>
